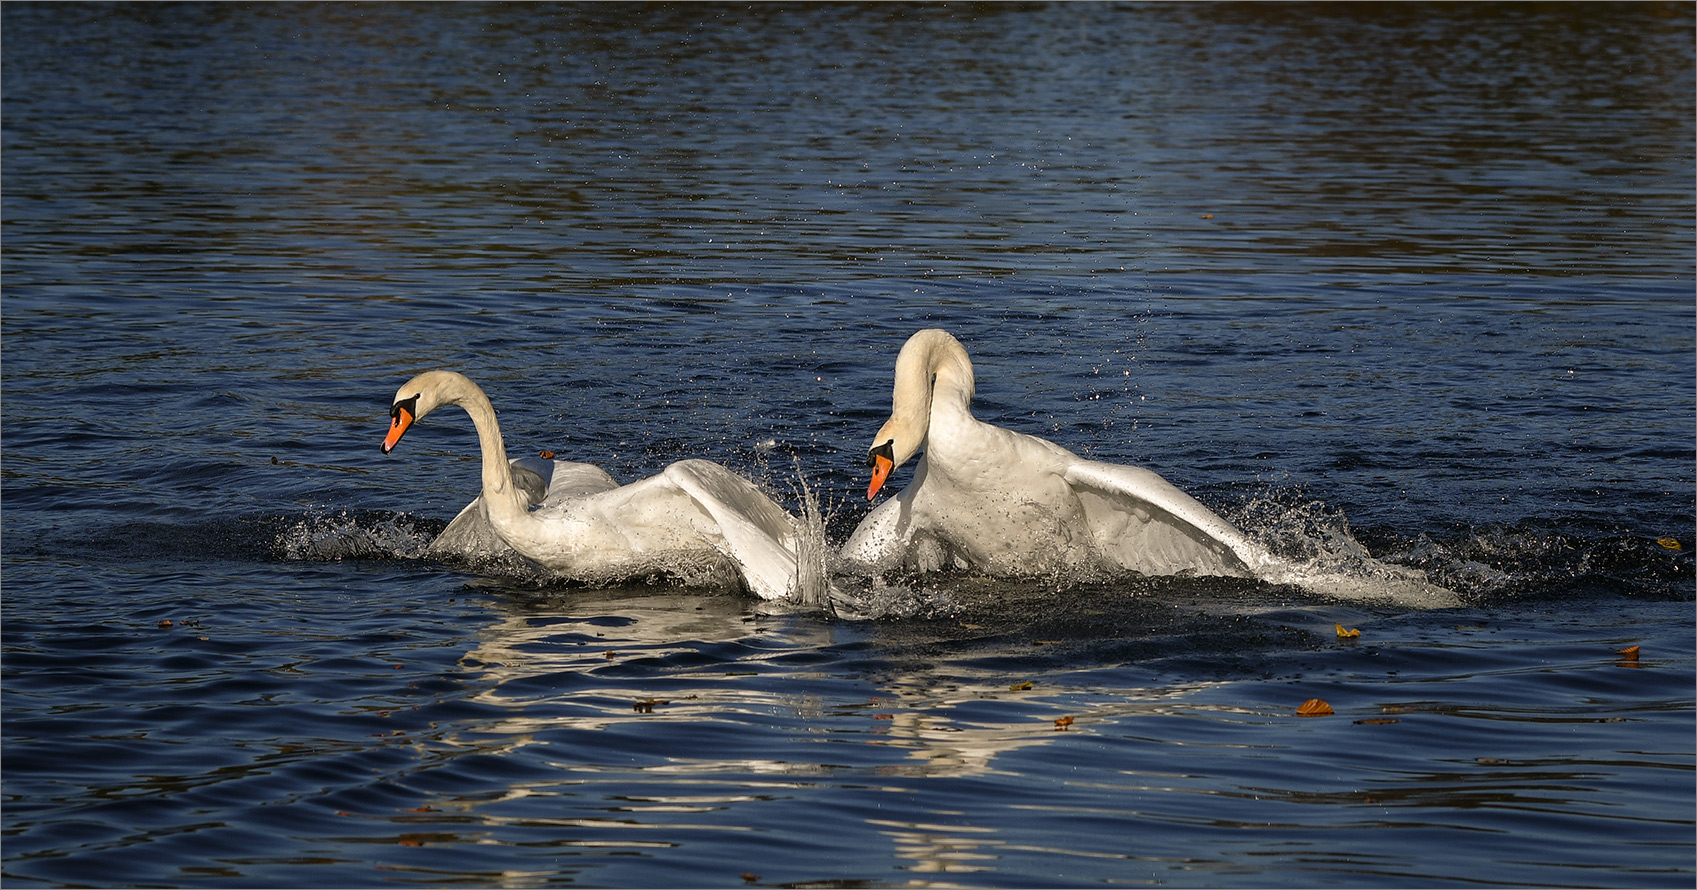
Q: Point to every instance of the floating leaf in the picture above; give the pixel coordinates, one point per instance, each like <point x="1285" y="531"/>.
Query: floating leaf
<point x="1314" y="708"/>
<point x="1669" y="543"/>
<point x="1629" y="652"/>
<point x="883" y="716"/>
<point x="1347" y="634"/>
<point x="546" y="455"/>
<point x="750" y="877"/>
<point x="1020" y="687"/>
<point x="1061" y="723"/>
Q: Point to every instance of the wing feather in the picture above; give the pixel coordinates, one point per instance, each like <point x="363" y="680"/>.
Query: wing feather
<point x="1148" y="525"/>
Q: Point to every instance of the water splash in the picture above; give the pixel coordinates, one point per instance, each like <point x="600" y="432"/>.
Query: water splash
<point x="812" y="588"/>
<point x="1321" y="554"/>
<point x="344" y="535"/>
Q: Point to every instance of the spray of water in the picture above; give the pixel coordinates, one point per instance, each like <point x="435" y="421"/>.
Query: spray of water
<point x="337" y="536"/>
<point x="812" y="589"/>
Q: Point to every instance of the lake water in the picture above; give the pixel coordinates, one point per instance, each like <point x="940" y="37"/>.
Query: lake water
<point x="1410" y="281"/>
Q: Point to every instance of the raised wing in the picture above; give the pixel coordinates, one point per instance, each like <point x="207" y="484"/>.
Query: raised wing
<point x="756" y="533"/>
<point x="1146" y="524"/>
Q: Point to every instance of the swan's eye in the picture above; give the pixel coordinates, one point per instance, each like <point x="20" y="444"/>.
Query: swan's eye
<point x="409" y="405"/>
<point x="886" y="451"/>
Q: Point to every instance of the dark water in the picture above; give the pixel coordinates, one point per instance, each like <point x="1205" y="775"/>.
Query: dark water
<point x="1413" y="281"/>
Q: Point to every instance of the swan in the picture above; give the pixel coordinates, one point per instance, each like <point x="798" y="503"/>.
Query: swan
<point x="586" y="525"/>
<point x="1005" y="503"/>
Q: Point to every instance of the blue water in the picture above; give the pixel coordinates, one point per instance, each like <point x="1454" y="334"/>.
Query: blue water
<point x="1413" y="282"/>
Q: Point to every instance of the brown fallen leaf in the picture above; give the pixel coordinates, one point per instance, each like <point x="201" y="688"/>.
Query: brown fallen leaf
<point x="1314" y="708"/>
<point x="750" y="877"/>
<point x="410" y="843"/>
<point x="1207" y="216"/>
<point x="165" y="623"/>
<point x="546" y="455"/>
<point x="883" y="716"/>
<point x="1629" y="652"/>
<point x="1061" y="723"/>
<point x="1020" y="687"/>
<point x="1347" y="633"/>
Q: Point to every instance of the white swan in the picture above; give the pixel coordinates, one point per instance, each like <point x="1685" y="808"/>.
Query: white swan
<point x="1004" y="503"/>
<point x="586" y="525"/>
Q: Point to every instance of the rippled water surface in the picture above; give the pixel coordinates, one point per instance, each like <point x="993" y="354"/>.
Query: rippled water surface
<point x="1408" y="282"/>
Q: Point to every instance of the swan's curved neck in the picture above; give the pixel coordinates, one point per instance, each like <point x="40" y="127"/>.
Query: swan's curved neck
<point x="932" y="370"/>
<point x="503" y="498"/>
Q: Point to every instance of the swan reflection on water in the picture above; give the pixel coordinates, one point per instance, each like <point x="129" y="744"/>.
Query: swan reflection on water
<point x="680" y="658"/>
<point x="621" y="692"/>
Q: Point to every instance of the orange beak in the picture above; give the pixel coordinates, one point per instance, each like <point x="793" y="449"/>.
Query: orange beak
<point x="398" y="425"/>
<point x="881" y="467"/>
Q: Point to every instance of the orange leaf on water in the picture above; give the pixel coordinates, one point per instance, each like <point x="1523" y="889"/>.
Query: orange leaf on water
<point x="1314" y="708"/>
<point x="1061" y="723"/>
<point x="1629" y="652"/>
<point x="1669" y="543"/>
<point x="546" y="455"/>
<point x="1347" y="634"/>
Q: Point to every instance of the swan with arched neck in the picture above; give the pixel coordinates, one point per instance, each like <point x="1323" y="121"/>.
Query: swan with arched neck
<point x="1005" y="503"/>
<point x="574" y="519"/>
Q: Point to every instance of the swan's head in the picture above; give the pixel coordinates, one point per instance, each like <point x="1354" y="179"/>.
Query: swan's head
<point x="891" y="448"/>
<point x="931" y="362"/>
<point x="418" y="397"/>
<point x="881" y="458"/>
